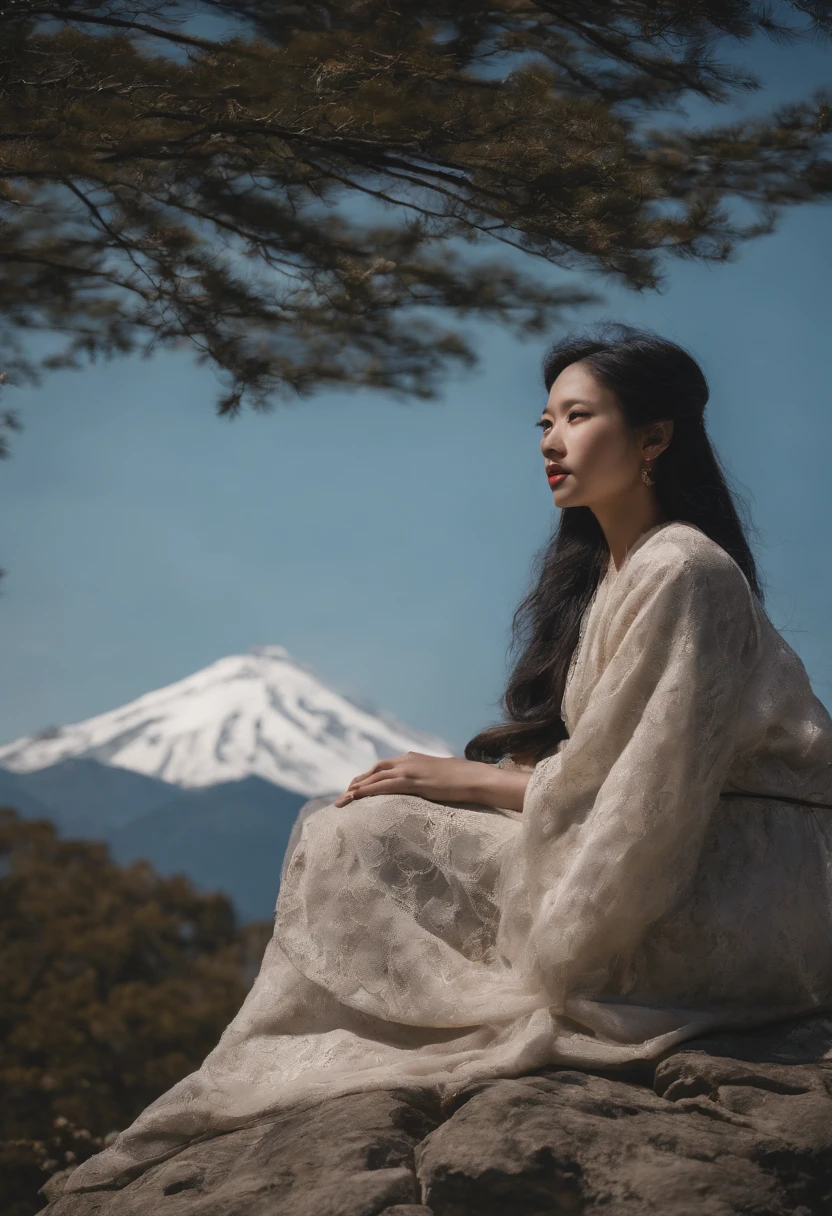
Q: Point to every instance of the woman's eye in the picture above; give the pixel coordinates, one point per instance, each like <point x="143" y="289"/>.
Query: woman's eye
<point x="572" y="414"/>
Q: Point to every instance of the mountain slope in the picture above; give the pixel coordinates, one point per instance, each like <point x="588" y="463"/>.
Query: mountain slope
<point x="228" y="838"/>
<point x="87" y="797"/>
<point x="259" y="714"/>
<point x="27" y="805"/>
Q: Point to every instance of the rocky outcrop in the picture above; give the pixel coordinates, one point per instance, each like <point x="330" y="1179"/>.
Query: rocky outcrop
<point x="728" y="1124"/>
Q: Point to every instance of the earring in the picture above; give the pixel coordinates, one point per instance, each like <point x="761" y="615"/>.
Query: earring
<point x="645" y="476"/>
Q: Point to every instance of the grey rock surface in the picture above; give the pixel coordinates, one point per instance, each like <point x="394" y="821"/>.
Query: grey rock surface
<point x="348" y="1156"/>
<point x="738" y="1123"/>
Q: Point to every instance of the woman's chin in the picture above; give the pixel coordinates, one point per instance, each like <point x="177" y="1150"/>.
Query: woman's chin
<point x="563" y="498"/>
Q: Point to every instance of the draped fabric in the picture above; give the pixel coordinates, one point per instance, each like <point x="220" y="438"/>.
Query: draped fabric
<point x="630" y="906"/>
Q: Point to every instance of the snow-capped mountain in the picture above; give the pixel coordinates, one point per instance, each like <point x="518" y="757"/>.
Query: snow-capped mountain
<point x="261" y="714"/>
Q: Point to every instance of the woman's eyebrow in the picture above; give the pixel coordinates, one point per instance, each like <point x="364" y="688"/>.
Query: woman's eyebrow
<point x="569" y="401"/>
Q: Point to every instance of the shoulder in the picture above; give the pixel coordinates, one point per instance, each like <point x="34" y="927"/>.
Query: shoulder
<point x="679" y="575"/>
<point x="683" y="554"/>
<point x="680" y="584"/>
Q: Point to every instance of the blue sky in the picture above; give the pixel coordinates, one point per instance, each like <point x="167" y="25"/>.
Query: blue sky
<point x="387" y="544"/>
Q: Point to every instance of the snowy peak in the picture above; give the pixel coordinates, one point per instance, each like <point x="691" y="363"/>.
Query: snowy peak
<point x="262" y="714"/>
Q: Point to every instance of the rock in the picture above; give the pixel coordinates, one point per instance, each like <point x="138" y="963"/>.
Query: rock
<point x="738" y="1123"/>
<point x="351" y="1156"/>
<point x="407" y="1209"/>
<point x="730" y="1124"/>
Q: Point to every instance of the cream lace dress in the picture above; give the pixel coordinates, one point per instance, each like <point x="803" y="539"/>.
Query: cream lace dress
<point x="657" y="883"/>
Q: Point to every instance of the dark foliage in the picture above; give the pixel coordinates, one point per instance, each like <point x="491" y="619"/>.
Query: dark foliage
<point x="114" y="984"/>
<point x="161" y="188"/>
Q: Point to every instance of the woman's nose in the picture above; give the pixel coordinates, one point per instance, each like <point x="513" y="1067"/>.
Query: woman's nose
<point x="549" y="446"/>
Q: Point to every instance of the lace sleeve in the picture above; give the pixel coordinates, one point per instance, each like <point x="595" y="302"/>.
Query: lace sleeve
<point x="614" y="822"/>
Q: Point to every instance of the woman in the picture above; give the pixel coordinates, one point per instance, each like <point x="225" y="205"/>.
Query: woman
<point x="640" y="853"/>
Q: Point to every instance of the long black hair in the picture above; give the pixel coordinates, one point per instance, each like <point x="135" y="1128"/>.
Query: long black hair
<point x="653" y="380"/>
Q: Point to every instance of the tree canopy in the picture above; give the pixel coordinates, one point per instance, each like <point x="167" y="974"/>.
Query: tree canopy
<point x="114" y="984"/>
<point x="309" y="199"/>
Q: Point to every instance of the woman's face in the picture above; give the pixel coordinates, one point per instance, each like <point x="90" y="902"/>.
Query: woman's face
<point x="585" y="432"/>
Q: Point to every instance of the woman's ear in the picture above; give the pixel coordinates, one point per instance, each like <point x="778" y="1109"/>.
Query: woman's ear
<point x="657" y="437"/>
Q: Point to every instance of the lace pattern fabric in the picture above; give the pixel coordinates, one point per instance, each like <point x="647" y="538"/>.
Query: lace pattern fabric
<point x="630" y="906"/>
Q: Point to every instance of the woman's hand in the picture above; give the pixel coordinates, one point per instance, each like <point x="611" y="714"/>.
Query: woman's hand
<point x="442" y="778"/>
